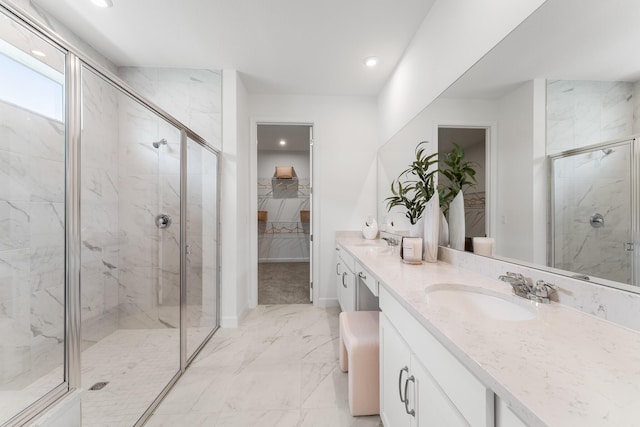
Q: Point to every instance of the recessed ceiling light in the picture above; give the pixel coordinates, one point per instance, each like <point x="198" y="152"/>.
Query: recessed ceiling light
<point x="283" y="142"/>
<point x="371" y="61"/>
<point x="102" y="3"/>
<point x="38" y="53"/>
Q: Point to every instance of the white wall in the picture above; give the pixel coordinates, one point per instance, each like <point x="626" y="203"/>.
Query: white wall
<point x="454" y="35"/>
<point x="234" y="204"/>
<point x="345" y="143"/>
<point x="521" y="186"/>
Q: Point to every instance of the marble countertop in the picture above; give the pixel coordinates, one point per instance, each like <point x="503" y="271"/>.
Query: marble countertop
<point x="562" y="368"/>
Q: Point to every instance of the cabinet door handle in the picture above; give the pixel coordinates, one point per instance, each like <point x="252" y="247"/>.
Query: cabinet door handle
<point x="406" y="398"/>
<point x="343" y="276"/>
<point x="362" y="275"/>
<point x="337" y="269"/>
<point x="405" y="369"/>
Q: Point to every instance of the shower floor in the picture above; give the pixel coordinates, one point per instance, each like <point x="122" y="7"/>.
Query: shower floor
<point x="136" y="363"/>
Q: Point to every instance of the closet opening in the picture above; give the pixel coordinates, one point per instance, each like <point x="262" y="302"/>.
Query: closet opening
<point x="284" y="171"/>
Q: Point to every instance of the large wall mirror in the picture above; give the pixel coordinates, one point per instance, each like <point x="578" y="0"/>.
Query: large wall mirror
<point x="559" y="103"/>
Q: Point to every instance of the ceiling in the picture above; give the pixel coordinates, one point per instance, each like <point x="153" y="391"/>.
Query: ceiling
<point x="295" y="136"/>
<point x="563" y="39"/>
<point x="305" y="47"/>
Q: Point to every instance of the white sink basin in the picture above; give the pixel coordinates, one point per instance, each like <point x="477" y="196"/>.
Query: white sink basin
<point x="481" y="302"/>
<point x="376" y="247"/>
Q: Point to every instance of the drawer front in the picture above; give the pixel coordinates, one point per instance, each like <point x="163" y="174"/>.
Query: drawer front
<point x="468" y="394"/>
<point x="346" y="258"/>
<point x="367" y="278"/>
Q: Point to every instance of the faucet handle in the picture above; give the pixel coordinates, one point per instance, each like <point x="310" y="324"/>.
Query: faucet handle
<point x="516" y="275"/>
<point x="543" y="289"/>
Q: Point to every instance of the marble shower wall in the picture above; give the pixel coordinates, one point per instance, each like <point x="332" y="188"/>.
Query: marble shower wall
<point x="100" y="196"/>
<point x="32" y="216"/>
<point x="192" y="96"/>
<point x="149" y="183"/>
<point x="581" y="113"/>
<point x="195" y="98"/>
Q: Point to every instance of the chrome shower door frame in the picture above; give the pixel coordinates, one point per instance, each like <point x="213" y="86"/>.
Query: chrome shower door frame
<point x="633" y="142"/>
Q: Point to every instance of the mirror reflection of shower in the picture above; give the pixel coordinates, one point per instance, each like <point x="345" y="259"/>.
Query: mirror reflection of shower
<point x="157" y="144"/>
<point x="592" y="216"/>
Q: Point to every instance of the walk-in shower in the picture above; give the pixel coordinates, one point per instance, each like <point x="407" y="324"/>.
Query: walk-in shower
<point x="594" y="211"/>
<point x="109" y="226"/>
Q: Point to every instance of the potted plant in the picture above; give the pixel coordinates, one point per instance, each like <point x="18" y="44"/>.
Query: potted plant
<point x="460" y="174"/>
<point x="415" y="186"/>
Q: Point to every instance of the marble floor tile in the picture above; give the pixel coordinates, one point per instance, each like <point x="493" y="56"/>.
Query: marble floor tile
<point x="279" y="368"/>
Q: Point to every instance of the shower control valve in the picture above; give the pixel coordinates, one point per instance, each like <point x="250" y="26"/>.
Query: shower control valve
<point x="163" y="221"/>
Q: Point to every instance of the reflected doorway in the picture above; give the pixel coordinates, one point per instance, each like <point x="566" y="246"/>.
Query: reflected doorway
<point x="473" y="140"/>
<point x="284" y="213"/>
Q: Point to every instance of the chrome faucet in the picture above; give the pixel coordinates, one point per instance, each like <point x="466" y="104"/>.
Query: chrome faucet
<point x="540" y="292"/>
<point x="519" y="284"/>
<point x="390" y="241"/>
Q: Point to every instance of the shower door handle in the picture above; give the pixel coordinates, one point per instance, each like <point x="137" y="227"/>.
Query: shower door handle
<point x="187" y="249"/>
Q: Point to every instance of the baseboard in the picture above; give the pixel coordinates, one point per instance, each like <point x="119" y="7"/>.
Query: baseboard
<point x="229" y="322"/>
<point x="267" y="260"/>
<point x="327" y="302"/>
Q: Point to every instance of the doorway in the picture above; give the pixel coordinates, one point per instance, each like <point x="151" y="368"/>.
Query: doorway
<point x="474" y="143"/>
<point x="284" y="213"/>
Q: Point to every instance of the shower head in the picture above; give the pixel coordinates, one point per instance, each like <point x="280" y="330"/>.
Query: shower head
<point x="607" y="151"/>
<point x="157" y="144"/>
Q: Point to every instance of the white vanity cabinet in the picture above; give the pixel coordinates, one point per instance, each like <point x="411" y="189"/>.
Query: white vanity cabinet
<point x="409" y="396"/>
<point x="345" y="279"/>
<point x="357" y="288"/>
<point x="419" y="374"/>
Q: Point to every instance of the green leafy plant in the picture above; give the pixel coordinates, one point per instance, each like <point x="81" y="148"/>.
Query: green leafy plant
<point x="415" y="185"/>
<point x="460" y="174"/>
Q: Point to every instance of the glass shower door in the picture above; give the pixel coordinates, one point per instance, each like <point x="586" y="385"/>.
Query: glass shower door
<point x="32" y="219"/>
<point x="201" y="245"/>
<point x="592" y="217"/>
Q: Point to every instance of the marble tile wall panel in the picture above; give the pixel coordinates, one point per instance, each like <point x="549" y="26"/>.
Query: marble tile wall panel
<point x="100" y="270"/>
<point x="32" y="171"/>
<point x="192" y="96"/>
<point x="581" y="113"/>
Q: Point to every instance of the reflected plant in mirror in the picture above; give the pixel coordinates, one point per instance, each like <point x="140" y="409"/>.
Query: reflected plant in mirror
<point x="458" y="173"/>
<point x="415" y="185"/>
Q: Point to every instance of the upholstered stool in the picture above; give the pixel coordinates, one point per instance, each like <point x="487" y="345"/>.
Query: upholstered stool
<point x="360" y="356"/>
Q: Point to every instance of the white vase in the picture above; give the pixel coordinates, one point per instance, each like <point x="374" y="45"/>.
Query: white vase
<point x="456" y="222"/>
<point x="370" y="228"/>
<point x="431" y="218"/>
<point x="444" y="230"/>
<point x="415" y="230"/>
